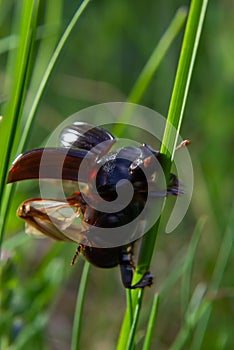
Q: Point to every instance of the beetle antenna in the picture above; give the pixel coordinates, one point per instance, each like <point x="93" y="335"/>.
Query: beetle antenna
<point x="183" y="144"/>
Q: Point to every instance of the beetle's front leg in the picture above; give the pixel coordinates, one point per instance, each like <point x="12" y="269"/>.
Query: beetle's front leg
<point x="127" y="269"/>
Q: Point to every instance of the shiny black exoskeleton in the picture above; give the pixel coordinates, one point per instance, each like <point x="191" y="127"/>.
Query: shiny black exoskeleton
<point x="127" y="163"/>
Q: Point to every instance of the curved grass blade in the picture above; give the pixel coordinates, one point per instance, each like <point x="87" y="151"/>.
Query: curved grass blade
<point x="175" y="114"/>
<point x="8" y="193"/>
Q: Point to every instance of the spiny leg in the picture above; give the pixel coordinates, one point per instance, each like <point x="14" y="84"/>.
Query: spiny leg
<point x="127" y="269"/>
<point x="81" y="247"/>
<point x="77" y="253"/>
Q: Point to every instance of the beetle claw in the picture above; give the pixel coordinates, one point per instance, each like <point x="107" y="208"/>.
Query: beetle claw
<point x="127" y="269"/>
<point x="146" y="281"/>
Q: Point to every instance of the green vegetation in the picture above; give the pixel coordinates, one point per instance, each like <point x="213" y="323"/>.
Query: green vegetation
<point x="59" y="57"/>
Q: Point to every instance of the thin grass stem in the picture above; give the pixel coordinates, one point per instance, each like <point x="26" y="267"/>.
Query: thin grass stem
<point x="175" y="115"/>
<point x="188" y="264"/>
<point x="151" y="324"/>
<point x="220" y="266"/>
<point x="77" y="323"/>
<point x="16" y="93"/>
<point x="48" y="71"/>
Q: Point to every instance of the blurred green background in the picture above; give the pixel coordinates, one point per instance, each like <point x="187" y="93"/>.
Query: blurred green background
<point x="100" y="63"/>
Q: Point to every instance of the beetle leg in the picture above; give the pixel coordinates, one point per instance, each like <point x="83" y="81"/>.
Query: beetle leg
<point x="174" y="187"/>
<point x="127" y="269"/>
<point x="79" y="249"/>
<point x="77" y="253"/>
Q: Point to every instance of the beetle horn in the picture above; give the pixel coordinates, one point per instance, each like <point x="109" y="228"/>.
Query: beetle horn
<point x="47" y="163"/>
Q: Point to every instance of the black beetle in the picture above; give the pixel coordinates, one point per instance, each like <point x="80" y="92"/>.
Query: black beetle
<point x="77" y="141"/>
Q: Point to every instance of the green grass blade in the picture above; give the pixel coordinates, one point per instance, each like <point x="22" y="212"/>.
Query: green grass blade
<point x="26" y="131"/>
<point x="12" y="243"/>
<point x="199" y="309"/>
<point x="220" y="266"/>
<point x="188" y="264"/>
<point x="10" y="128"/>
<point x="132" y="333"/>
<point x="129" y="305"/>
<point x="31" y="330"/>
<point x="182" y="265"/>
<point x="77" y="324"/>
<point x="8" y="43"/>
<point x="179" y="95"/>
<point x="152" y="319"/>
<point x="16" y="109"/>
<point x="48" y="42"/>
<point x="196" y="308"/>
<point x="48" y="72"/>
<point x="184" y="74"/>
<point x="11" y="113"/>
<point x="157" y="56"/>
<point x="151" y="66"/>
<point x="175" y="114"/>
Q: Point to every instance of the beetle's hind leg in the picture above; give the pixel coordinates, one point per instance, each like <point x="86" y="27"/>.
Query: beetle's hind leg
<point x="79" y="249"/>
<point x="127" y="269"/>
<point x="77" y="253"/>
